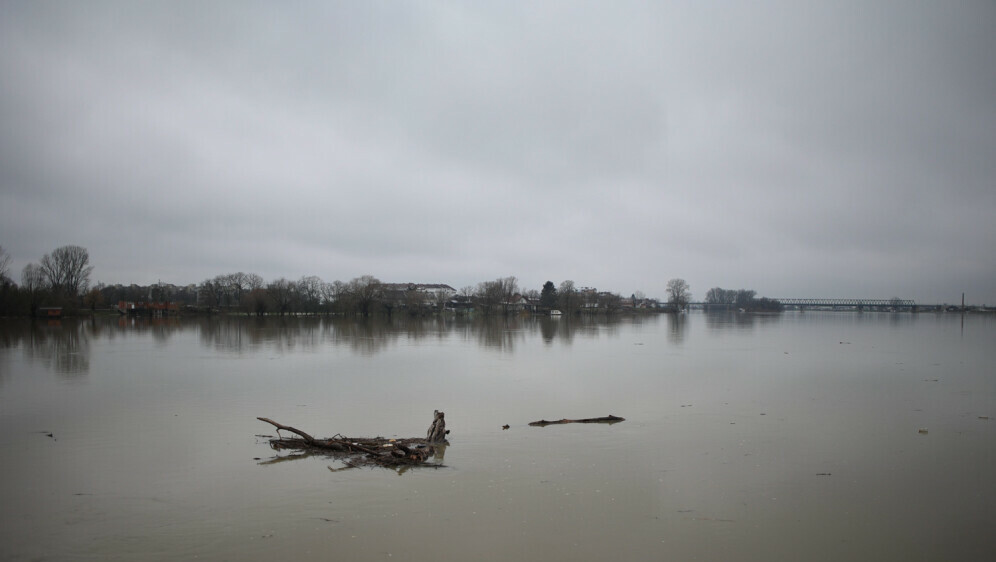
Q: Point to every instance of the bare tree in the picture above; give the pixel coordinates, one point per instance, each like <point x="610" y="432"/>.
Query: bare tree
<point x="33" y="278"/>
<point x="678" y="294"/>
<point x="209" y="293"/>
<point x="745" y="298"/>
<point x="4" y="265"/>
<point x="330" y="294"/>
<point x="281" y="293"/>
<point x="609" y="303"/>
<point x="34" y="283"/>
<point x="254" y="281"/>
<point x="235" y="289"/>
<point x="495" y="296"/>
<point x="224" y="290"/>
<point x="718" y="295"/>
<point x="487" y="297"/>
<point x="508" y="287"/>
<point x="238" y="286"/>
<point x="309" y="290"/>
<point x="337" y="295"/>
<point x="67" y="269"/>
<point x="257" y="301"/>
<point x="364" y="292"/>
<point x="567" y="295"/>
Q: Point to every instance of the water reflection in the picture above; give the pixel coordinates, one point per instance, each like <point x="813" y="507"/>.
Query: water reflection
<point x="369" y="336"/>
<point x="676" y="327"/>
<point x="501" y="334"/>
<point x="64" y="346"/>
<point x="717" y="320"/>
<point x="161" y="329"/>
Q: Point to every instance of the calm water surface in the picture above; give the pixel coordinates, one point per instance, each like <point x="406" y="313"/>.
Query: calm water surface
<point x="792" y="437"/>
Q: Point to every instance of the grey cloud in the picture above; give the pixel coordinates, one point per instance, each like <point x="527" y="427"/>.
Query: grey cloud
<point x="841" y="148"/>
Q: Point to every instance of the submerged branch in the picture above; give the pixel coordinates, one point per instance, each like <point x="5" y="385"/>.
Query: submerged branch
<point x="279" y="426"/>
<point x="610" y="419"/>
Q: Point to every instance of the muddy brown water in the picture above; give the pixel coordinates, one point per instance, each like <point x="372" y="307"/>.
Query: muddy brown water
<point x="802" y="436"/>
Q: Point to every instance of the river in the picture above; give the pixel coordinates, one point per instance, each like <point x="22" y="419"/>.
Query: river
<point x="799" y="436"/>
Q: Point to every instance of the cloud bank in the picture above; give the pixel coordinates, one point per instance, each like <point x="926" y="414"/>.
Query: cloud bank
<point x="843" y="150"/>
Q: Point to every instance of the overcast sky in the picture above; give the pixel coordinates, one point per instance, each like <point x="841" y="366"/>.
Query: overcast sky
<point x="832" y="149"/>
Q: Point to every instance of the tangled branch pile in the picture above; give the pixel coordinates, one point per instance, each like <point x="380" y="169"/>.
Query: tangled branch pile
<point x="354" y="452"/>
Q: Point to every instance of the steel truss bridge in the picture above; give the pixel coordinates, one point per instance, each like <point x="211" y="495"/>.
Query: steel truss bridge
<point x="882" y="304"/>
<point x="832" y="304"/>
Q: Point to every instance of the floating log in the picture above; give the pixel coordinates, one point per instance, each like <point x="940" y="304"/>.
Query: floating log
<point x="610" y="419"/>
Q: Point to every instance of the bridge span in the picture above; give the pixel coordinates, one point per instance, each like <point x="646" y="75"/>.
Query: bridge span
<point x="859" y="304"/>
<point x="834" y="304"/>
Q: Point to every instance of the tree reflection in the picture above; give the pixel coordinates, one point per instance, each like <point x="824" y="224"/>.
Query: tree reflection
<point x="676" y="326"/>
<point x="718" y="320"/>
<point x="61" y="345"/>
<point x="548" y="328"/>
<point x="499" y="333"/>
<point x="364" y="335"/>
<point x="160" y="328"/>
<point x="64" y="346"/>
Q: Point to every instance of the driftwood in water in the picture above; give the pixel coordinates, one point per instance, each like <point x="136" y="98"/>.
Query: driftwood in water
<point x="353" y="452"/>
<point x="309" y="439"/>
<point x="610" y="419"/>
<point x="437" y="431"/>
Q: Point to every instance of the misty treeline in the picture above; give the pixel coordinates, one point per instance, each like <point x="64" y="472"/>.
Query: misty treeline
<point x="366" y="295"/>
<point x="62" y="278"/>
<point x="746" y="299"/>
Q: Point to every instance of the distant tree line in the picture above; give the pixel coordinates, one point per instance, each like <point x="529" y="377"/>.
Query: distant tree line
<point x="62" y="278"/>
<point x="742" y="298"/>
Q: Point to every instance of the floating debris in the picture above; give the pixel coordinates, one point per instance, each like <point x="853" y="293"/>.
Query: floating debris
<point x="354" y="452"/>
<point x="610" y="419"/>
<point x="922" y="431"/>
